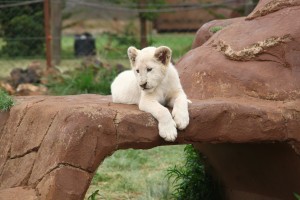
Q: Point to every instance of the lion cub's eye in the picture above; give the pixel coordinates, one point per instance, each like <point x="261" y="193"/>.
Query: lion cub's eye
<point x="137" y="71"/>
<point x="149" y="69"/>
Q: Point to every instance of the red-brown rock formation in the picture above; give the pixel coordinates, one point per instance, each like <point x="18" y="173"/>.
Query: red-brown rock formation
<point x="255" y="58"/>
<point x="51" y="146"/>
<point x="245" y="86"/>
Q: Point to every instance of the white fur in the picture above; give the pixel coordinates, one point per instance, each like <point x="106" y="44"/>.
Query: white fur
<point x="162" y="88"/>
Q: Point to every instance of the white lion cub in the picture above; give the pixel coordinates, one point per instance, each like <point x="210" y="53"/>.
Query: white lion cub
<point x="152" y="83"/>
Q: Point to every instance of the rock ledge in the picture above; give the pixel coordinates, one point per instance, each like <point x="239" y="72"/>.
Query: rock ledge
<point x="51" y="146"/>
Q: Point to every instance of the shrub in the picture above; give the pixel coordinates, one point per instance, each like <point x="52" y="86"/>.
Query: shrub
<point x="6" y="102"/>
<point x="83" y="81"/>
<point x="22" y="30"/>
<point x="192" y="180"/>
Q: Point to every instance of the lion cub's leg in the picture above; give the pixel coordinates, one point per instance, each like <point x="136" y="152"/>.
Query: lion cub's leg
<point x="166" y="124"/>
<point x="180" y="111"/>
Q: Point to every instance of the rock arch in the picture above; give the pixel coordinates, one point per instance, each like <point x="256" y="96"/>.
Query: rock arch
<point x="51" y="146"/>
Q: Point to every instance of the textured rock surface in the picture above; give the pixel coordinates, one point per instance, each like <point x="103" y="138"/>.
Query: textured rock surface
<point x="205" y="32"/>
<point x="51" y="146"/>
<point x="270" y="72"/>
<point x="18" y="193"/>
<point x="255" y="58"/>
<point x="78" y="132"/>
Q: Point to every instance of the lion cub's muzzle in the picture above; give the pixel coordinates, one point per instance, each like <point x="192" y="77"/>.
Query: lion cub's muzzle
<point x="144" y="86"/>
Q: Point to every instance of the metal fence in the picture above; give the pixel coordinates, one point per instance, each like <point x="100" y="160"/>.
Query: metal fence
<point x="101" y="28"/>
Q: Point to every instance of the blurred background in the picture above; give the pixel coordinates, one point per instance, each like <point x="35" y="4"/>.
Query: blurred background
<point x="102" y="29"/>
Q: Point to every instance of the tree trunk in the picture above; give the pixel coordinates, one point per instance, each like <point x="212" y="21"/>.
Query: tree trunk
<point x="56" y="25"/>
<point x="143" y="33"/>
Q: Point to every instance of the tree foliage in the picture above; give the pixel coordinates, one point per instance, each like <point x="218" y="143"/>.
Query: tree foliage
<point x="22" y="30"/>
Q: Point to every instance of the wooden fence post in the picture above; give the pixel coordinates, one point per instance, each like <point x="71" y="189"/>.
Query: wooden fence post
<point x="47" y="34"/>
<point x="56" y="24"/>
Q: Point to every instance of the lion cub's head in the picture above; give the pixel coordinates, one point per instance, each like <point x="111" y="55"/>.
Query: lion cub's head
<point x="149" y="65"/>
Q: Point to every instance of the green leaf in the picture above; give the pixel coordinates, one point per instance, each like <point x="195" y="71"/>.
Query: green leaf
<point x="297" y="196"/>
<point x="6" y="101"/>
<point x="191" y="181"/>
<point x="93" y="195"/>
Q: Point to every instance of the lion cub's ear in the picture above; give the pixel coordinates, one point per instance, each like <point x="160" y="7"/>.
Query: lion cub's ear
<point x="132" y="54"/>
<point x="163" y="54"/>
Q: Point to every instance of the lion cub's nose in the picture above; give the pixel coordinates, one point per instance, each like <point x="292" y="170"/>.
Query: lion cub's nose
<point x="143" y="85"/>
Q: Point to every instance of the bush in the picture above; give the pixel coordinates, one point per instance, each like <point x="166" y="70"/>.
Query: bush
<point x="22" y="30"/>
<point x="6" y="102"/>
<point x="83" y="81"/>
<point x="192" y="180"/>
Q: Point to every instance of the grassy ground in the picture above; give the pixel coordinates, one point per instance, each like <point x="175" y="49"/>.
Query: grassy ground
<point x="137" y="174"/>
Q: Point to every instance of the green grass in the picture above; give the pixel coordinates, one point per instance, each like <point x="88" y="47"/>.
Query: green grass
<point x="180" y="43"/>
<point x="6" y="101"/>
<point x="215" y="29"/>
<point x="137" y="174"/>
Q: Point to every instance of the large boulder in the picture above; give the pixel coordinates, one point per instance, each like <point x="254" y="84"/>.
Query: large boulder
<point x="256" y="59"/>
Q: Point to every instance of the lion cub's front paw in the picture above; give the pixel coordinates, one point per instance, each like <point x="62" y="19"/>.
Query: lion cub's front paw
<point x="181" y="118"/>
<point x="168" y="131"/>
